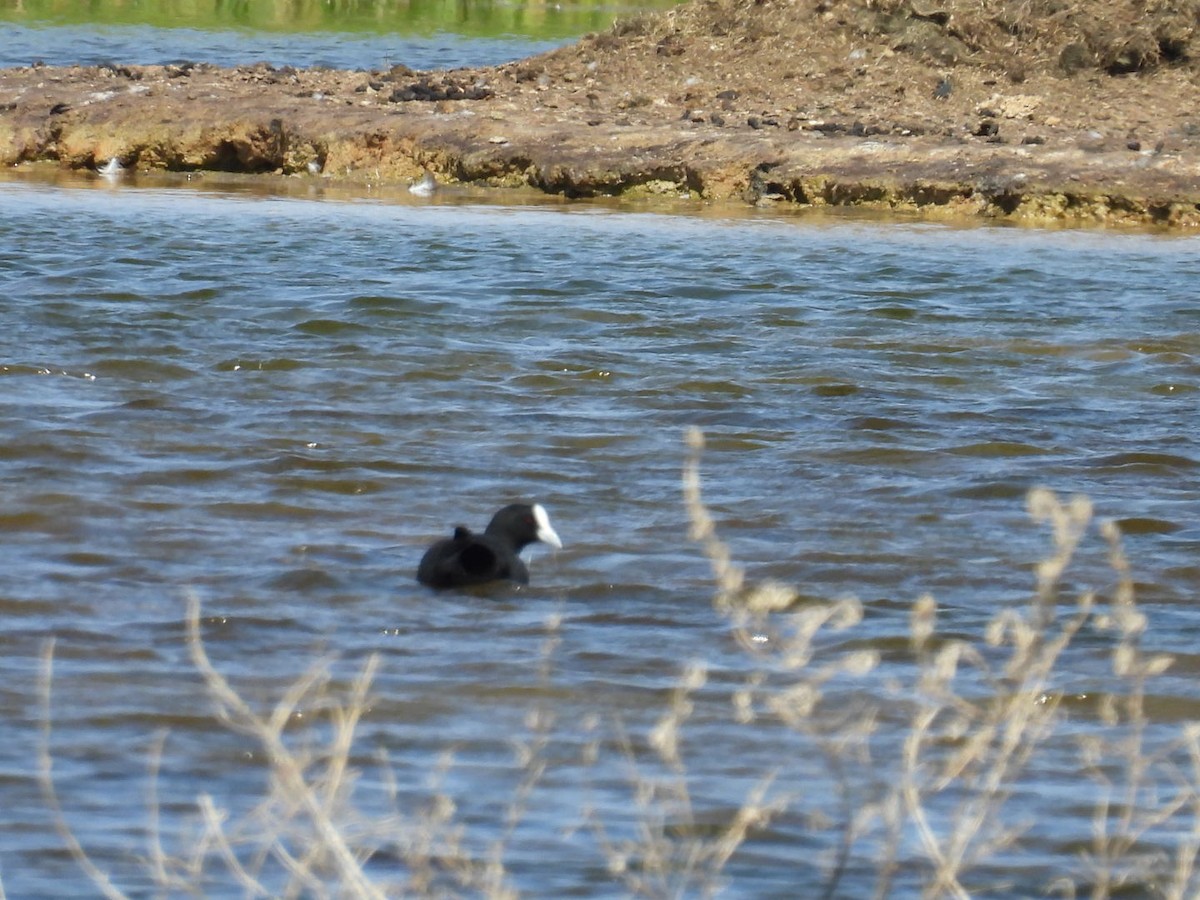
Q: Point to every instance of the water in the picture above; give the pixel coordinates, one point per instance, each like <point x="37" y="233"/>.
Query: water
<point x="276" y="403"/>
<point x="372" y="35"/>
<point x="91" y="45"/>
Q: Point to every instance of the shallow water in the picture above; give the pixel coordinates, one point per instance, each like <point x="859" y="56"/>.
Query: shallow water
<point x="531" y="18"/>
<point x="94" y="45"/>
<point x="423" y="35"/>
<point x="276" y="403"/>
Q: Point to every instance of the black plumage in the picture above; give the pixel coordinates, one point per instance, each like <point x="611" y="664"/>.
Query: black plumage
<point x="468" y="558"/>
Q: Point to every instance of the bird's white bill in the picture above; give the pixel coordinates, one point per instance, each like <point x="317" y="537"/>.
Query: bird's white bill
<point x="545" y="531"/>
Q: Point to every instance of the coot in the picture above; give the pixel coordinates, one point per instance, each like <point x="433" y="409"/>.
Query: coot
<point x="469" y="558"/>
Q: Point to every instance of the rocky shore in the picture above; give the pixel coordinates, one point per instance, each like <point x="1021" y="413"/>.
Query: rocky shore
<point x="907" y="106"/>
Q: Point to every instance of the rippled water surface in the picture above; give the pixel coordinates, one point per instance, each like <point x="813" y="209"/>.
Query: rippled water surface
<point x="92" y="45"/>
<point x="276" y="403"/>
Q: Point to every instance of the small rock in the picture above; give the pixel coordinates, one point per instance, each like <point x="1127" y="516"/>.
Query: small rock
<point x="1013" y="106"/>
<point x="1075" y="58"/>
<point x="669" y="46"/>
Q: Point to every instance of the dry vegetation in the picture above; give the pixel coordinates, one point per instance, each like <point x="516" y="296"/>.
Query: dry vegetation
<point x="1118" y="38"/>
<point x="907" y="66"/>
<point x="975" y="716"/>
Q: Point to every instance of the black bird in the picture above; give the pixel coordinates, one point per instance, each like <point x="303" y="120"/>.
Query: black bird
<point x="469" y="558"/>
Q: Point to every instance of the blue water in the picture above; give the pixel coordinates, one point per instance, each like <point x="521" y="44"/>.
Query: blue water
<point x="90" y="45"/>
<point x="275" y="404"/>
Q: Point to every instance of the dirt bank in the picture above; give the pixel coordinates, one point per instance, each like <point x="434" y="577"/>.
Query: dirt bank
<point x="951" y="108"/>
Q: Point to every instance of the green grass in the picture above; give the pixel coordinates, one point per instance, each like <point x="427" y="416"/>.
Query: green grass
<point x="535" y="19"/>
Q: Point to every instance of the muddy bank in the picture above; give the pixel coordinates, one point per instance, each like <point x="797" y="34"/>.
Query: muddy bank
<point x="754" y="102"/>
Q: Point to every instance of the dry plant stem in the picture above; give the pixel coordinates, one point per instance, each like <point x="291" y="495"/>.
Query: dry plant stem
<point x="303" y="880"/>
<point x="1117" y="837"/>
<point x="434" y="843"/>
<point x="158" y="861"/>
<point x="281" y="806"/>
<point x="345" y="718"/>
<point x="660" y="862"/>
<point x="1189" y="849"/>
<point x="769" y="624"/>
<point x="435" y="822"/>
<point x="997" y="738"/>
<point x="753" y="813"/>
<point x="728" y="577"/>
<point x="913" y="798"/>
<point x="158" y="858"/>
<point x="50" y="794"/>
<point x="531" y="755"/>
<point x="214" y="823"/>
<point x="890" y="812"/>
<point x="283" y="764"/>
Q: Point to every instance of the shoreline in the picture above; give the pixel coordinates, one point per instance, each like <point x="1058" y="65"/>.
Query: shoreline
<point x="613" y="115"/>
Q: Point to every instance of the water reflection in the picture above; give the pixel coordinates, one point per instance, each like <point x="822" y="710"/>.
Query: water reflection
<point x="375" y="35"/>
<point x="94" y="45"/>
<point x="534" y="19"/>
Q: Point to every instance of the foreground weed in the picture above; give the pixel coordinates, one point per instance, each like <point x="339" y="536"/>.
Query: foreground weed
<point x="917" y="770"/>
<point x="980" y="713"/>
